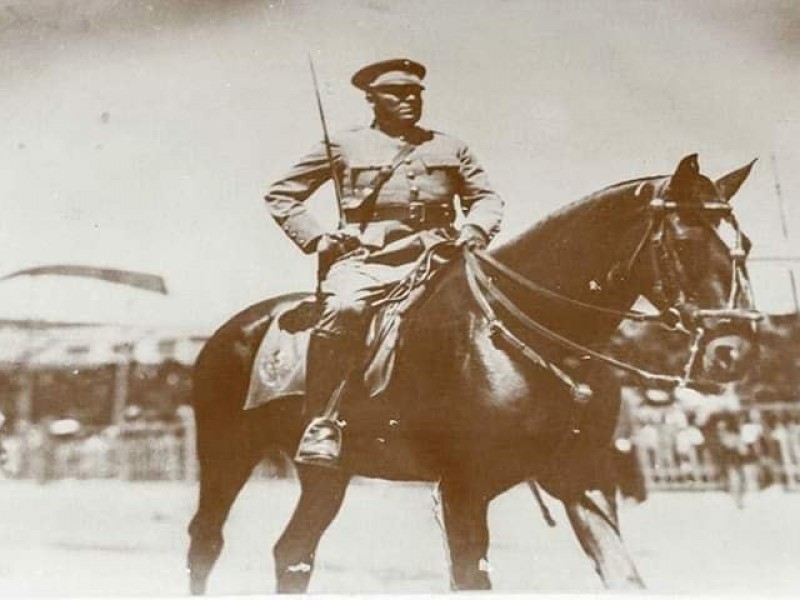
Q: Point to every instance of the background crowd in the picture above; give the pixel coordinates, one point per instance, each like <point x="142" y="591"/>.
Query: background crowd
<point x="133" y="419"/>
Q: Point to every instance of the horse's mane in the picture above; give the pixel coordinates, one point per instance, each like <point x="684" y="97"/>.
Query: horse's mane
<point x="554" y="249"/>
<point x="603" y="209"/>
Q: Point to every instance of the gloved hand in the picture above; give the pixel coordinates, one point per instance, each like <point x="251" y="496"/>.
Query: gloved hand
<point x="472" y="238"/>
<point x="332" y="245"/>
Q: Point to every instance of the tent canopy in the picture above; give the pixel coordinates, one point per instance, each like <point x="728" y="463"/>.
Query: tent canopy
<point x="90" y="298"/>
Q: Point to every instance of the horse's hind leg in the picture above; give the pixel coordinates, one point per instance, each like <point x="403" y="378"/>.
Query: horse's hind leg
<point x="321" y="496"/>
<point x="464" y="513"/>
<point x="220" y="483"/>
<point x="593" y="516"/>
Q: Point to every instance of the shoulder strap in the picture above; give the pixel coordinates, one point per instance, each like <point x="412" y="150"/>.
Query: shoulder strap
<point x="368" y="205"/>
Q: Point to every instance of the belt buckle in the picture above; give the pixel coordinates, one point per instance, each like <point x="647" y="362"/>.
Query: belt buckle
<point x="417" y="213"/>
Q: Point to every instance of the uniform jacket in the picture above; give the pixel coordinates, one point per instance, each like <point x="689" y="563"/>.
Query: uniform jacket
<point x="438" y="168"/>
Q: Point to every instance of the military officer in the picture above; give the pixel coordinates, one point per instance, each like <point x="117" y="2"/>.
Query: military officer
<point x="398" y="184"/>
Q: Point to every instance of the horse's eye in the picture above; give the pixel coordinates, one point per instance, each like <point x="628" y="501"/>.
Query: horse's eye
<point x="690" y="238"/>
<point x="690" y="248"/>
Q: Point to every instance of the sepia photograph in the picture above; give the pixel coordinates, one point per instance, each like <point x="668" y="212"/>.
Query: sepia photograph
<point x="378" y="297"/>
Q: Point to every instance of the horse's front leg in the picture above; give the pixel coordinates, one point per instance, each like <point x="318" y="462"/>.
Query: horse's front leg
<point x="321" y="496"/>
<point x="463" y="510"/>
<point x="593" y="516"/>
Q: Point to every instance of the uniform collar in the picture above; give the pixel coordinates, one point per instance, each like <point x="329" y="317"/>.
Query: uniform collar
<point x="415" y="135"/>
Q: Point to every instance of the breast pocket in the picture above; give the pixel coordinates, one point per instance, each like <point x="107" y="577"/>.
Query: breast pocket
<point x="441" y="174"/>
<point x="360" y="181"/>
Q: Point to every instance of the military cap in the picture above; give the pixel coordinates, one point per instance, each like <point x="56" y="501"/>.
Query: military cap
<point x="397" y="71"/>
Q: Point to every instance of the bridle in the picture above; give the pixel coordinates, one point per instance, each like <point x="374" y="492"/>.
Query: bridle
<point x="669" y="286"/>
<point x="669" y="292"/>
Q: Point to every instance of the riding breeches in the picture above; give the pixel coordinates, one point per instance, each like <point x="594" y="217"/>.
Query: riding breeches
<point x="350" y="288"/>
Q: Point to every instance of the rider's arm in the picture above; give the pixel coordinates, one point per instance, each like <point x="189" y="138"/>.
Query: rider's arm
<point x="286" y="197"/>
<point x="483" y="206"/>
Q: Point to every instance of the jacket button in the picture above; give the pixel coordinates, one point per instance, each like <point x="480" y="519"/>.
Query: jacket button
<point x="407" y="161"/>
<point x="410" y="174"/>
<point x="414" y="189"/>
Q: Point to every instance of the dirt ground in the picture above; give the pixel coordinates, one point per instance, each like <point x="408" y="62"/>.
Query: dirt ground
<point x="113" y="538"/>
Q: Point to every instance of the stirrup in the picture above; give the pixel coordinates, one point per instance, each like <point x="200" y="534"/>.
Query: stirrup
<point x="321" y="443"/>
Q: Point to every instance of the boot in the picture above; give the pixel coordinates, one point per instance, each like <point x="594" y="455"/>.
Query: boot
<point x="330" y="360"/>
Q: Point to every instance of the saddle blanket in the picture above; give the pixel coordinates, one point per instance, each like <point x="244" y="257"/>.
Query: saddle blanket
<point x="279" y="368"/>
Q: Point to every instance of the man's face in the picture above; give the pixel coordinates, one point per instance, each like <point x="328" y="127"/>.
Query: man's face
<point x="396" y="104"/>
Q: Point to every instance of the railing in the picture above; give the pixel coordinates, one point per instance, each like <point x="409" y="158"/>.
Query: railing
<point x="760" y="444"/>
<point x="673" y="453"/>
<point x="132" y="451"/>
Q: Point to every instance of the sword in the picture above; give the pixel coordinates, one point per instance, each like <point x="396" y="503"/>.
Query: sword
<point x="3" y="456"/>
<point x="327" y="141"/>
<point x="324" y="262"/>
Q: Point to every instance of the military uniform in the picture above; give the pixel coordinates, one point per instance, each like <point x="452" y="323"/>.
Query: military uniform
<point x="397" y="199"/>
<point x="413" y="208"/>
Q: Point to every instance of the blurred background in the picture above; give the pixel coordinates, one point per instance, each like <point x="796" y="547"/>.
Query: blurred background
<point x="138" y="138"/>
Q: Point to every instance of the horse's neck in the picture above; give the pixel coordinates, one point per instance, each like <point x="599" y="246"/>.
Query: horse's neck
<point x="573" y="253"/>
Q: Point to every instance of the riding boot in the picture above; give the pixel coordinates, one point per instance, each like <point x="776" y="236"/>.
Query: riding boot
<point x="330" y="361"/>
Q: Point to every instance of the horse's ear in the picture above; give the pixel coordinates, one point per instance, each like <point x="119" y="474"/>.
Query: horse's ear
<point x="685" y="174"/>
<point x="729" y="184"/>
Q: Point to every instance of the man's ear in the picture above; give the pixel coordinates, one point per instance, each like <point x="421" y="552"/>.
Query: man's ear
<point x="370" y="98"/>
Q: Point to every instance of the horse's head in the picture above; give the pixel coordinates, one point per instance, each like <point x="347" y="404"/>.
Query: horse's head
<point x="696" y="267"/>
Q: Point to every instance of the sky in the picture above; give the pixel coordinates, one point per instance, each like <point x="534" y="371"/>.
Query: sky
<point x="142" y="135"/>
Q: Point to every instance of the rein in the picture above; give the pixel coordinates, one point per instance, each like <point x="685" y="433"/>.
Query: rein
<point x="482" y="285"/>
<point x="477" y="279"/>
<point x="663" y="319"/>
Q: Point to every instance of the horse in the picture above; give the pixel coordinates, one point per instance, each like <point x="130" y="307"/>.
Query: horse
<point x="481" y="397"/>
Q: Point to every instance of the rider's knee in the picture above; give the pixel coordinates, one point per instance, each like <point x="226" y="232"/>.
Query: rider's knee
<point x="342" y="315"/>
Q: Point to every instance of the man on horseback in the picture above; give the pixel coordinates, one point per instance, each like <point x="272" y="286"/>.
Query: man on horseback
<point x="398" y="183"/>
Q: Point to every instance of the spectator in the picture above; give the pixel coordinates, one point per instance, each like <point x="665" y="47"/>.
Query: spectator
<point x="628" y="468"/>
<point x="731" y="454"/>
<point x="688" y="443"/>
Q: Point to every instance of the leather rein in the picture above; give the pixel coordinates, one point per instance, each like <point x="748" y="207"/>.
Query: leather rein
<point x="668" y="287"/>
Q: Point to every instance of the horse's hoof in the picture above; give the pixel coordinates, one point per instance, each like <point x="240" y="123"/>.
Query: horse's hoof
<point x="294" y="579"/>
<point x="292" y="584"/>
<point x="197" y="589"/>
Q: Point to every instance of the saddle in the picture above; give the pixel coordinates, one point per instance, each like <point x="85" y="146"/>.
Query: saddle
<point x="279" y="368"/>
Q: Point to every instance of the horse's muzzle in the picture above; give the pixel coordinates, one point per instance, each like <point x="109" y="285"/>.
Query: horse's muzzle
<point x="727" y="357"/>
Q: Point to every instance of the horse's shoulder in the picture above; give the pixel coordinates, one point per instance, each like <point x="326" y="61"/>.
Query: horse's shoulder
<point x="447" y="308"/>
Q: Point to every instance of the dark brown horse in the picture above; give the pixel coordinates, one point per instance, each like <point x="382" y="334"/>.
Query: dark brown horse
<point x="481" y="398"/>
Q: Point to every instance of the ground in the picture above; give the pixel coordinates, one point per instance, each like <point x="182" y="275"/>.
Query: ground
<point x="114" y="538"/>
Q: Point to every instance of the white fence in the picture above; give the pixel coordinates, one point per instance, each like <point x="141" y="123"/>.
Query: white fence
<point x="762" y="444"/>
<point x="673" y="454"/>
<point x="134" y="451"/>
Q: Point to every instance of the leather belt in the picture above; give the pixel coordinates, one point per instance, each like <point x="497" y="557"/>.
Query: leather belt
<point x="419" y="214"/>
